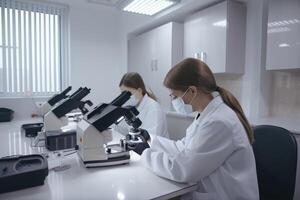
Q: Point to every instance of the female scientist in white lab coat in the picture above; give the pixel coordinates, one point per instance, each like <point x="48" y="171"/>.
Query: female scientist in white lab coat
<point x="151" y="114"/>
<point x="216" y="152"/>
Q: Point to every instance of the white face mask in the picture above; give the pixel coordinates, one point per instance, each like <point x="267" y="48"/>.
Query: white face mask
<point x="132" y="101"/>
<point x="180" y="106"/>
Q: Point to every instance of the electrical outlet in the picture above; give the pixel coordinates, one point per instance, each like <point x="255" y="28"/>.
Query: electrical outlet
<point x="39" y="104"/>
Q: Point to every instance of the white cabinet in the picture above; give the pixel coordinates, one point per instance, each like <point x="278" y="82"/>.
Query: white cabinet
<point x="152" y="54"/>
<point x="283" y="40"/>
<point x="216" y="35"/>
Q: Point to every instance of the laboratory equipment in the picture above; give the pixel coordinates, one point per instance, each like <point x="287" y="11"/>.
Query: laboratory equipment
<point x="18" y="172"/>
<point x="94" y="134"/>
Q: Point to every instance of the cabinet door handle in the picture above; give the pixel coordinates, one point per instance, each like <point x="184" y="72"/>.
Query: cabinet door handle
<point x="201" y="56"/>
<point x="154" y="65"/>
<point x="151" y="66"/>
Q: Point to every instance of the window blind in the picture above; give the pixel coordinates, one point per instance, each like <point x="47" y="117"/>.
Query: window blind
<point x="31" y="56"/>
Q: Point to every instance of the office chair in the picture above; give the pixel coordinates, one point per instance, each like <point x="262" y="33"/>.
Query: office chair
<point x="275" y="151"/>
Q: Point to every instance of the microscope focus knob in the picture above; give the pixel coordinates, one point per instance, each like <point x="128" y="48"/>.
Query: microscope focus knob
<point x="108" y="150"/>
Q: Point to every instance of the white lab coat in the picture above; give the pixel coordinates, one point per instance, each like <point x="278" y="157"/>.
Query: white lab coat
<point x="215" y="153"/>
<point x="152" y="116"/>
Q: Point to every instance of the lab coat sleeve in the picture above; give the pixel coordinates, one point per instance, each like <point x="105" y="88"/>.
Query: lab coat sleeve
<point x="166" y="145"/>
<point x="204" y="153"/>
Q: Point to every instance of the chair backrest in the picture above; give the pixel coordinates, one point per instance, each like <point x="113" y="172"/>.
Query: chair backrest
<point x="275" y="151"/>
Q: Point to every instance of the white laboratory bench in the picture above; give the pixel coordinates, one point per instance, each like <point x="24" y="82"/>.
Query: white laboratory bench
<point x="131" y="181"/>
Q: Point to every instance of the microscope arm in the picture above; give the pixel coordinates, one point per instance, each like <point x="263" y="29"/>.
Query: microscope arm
<point x="58" y="97"/>
<point x="73" y="102"/>
<point x="118" y="101"/>
<point x="110" y="114"/>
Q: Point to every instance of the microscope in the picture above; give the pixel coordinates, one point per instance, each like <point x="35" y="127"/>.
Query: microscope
<point x="56" y="118"/>
<point x="32" y="129"/>
<point x="46" y="107"/>
<point x="56" y="134"/>
<point x="94" y="134"/>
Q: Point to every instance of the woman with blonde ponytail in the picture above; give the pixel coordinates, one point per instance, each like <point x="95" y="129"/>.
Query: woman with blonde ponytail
<point x="216" y="152"/>
<point x="151" y="114"/>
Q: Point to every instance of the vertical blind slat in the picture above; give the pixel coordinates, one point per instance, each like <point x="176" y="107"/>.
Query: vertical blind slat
<point x="8" y="47"/>
<point x="35" y="53"/>
<point x="25" y="52"/>
<point x="20" y="52"/>
<point x="3" y="17"/>
<point x="54" y="53"/>
<point x="59" y="53"/>
<point x="40" y="50"/>
<point x="45" y="56"/>
<point x="14" y="50"/>
<point x="50" y="52"/>
<point x="30" y="81"/>
<point x="43" y="53"/>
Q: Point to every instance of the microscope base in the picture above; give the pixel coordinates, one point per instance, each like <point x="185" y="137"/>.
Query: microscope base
<point x="116" y="156"/>
<point x="110" y="162"/>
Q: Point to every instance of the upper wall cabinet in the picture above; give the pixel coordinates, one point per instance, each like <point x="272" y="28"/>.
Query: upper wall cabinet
<point x="153" y="53"/>
<point x="283" y="40"/>
<point x="216" y="35"/>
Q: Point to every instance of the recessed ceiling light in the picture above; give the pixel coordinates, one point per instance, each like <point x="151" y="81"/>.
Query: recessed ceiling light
<point x="283" y="22"/>
<point x="278" y="30"/>
<point x="149" y="7"/>
<point x="221" y="23"/>
<point x="284" y="45"/>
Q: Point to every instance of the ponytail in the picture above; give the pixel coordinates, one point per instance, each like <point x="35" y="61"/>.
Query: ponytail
<point x="233" y="103"/>
<point x="194" y="72"/>
<point x="151" y="94"/>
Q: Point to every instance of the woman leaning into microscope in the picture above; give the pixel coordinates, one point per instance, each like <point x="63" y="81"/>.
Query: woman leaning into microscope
<point x="150" y="112"/>
<point x="216" y="152"/>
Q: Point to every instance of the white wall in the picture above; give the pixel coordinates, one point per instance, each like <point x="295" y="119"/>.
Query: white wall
<point x="98" y="52"/>
<point x="264" y="93"/>
<point x="285" y="98"/>
<point x="93" y="50"/>
<point x="271" y="97"/>
<point x="129" y="22"/>
<point x="247" y="87"/>
<point x="98" y="59"/>
<point x="98" y="48"/>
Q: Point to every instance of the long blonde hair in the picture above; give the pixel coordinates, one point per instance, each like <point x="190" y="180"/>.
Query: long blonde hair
<point x="193" y="72"/>
<point x="135" y="80"/>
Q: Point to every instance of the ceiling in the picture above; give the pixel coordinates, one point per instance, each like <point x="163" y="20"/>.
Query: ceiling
<point x="176" y="13"/>
<point x="117" y="3"/>
<point x="113" y="3"/>
<point x="121" y="3"/>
